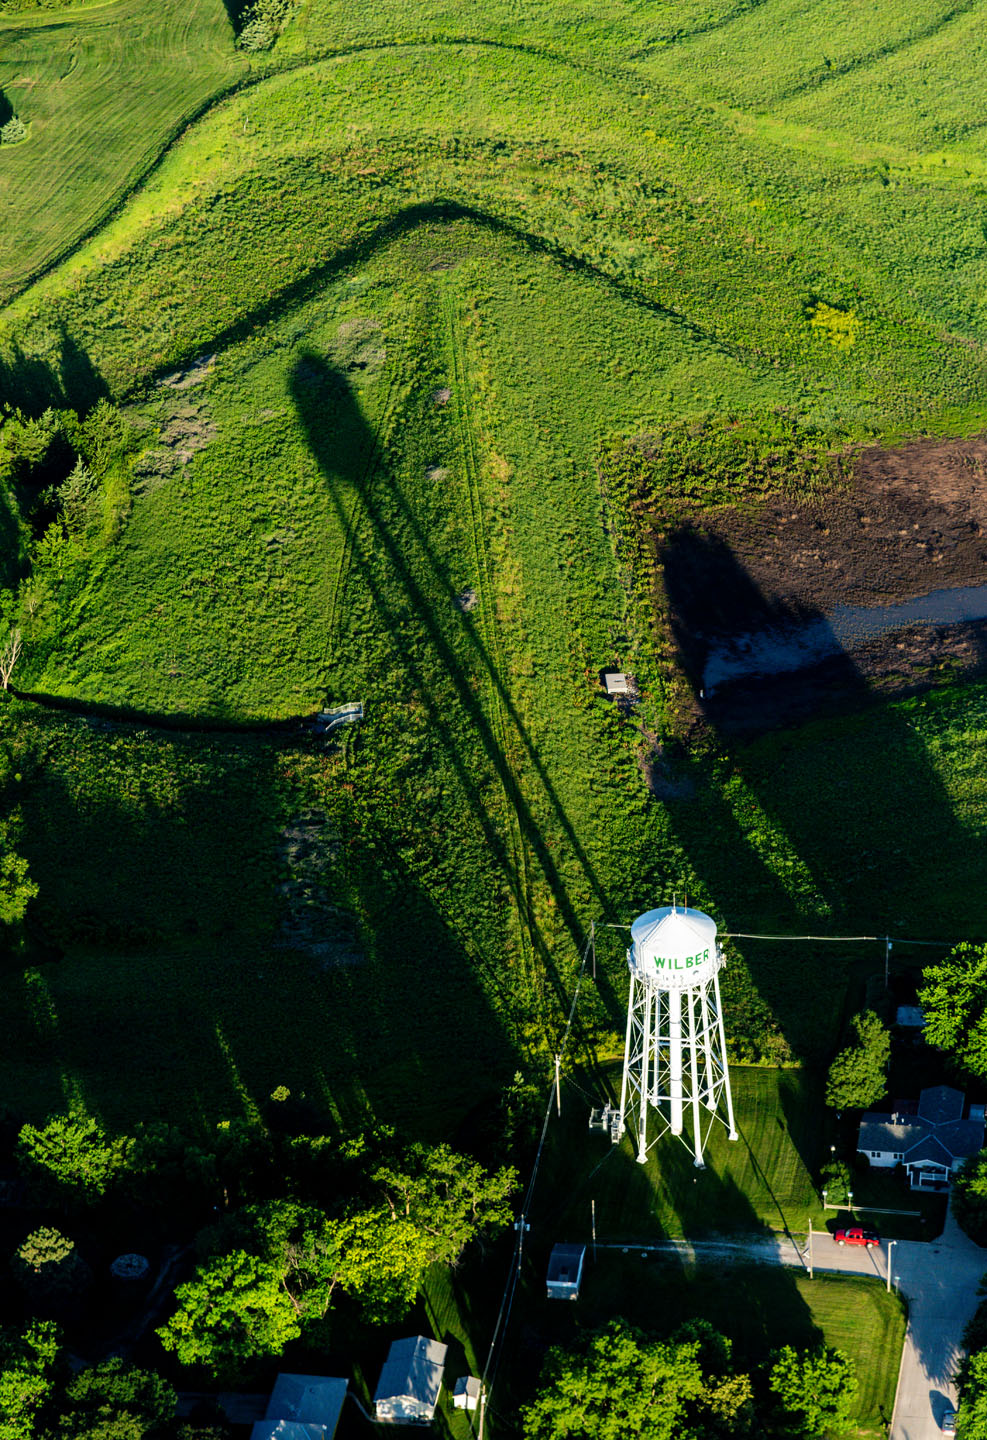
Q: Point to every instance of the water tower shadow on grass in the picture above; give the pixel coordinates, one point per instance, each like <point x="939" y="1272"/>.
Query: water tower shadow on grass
<point x="419" y="589"/>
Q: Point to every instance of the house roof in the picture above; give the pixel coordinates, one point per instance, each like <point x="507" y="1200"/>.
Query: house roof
<point x="468" y="1385"/>
<point x="940" y="1103"/>
<point x="962" y="1137"/>
<point x="930" y="1149"/>
<point x="879" y="1132"/>
<point x="316" y="1399"/>
<point x="412" y="1370"/>
<point x="936" y="1133"/>
<point x="289" y="1430"/>
<point x="563" y="1265"/>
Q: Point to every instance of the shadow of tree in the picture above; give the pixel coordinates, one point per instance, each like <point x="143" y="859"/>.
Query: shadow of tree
<point x="32" y="384"/>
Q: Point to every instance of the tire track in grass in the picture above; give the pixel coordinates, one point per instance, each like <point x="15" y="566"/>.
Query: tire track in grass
<point x="489" y="633"/>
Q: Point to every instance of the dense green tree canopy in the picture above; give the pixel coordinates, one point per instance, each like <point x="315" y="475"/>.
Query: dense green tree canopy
<point x="115" y="1401"/>
<point x="814" y="1390"/>
<point x="70" y="1161"/>
<point x="954" y="999"/>
<point x="449" y="1197"/>
<point x="27" y="1369"/>
<point x="48" y="1266"/>
<point x="235" y="1309"/>
<point x="969" y="1197"/>
<point x="620" y="1383"/>
<point x="971" y="1423"/>
<point x="858" y="1076"/>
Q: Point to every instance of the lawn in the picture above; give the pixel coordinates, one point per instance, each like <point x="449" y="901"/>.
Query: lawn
<point x="102" y="89"/>
<point x="763" y="1182"/>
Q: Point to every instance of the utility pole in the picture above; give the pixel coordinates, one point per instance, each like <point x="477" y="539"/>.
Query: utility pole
<point x="558" y="1087"/>
<point x="810" y="1247"/>
<point x="592" y="1206"/>
<point x="891" y="1245"/>
<point x="887" y="961"/>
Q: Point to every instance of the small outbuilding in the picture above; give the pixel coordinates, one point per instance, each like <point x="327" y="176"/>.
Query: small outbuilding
<point x="302" y="1407"/>
<point x="565" y="1271"/>
<point x="466" y="1395"/>
<point x="408" y="1389"/>
<point x="617" y="683"/>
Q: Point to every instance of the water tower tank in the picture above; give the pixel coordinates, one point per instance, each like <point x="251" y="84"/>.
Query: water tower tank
<point x="674" y="948"/>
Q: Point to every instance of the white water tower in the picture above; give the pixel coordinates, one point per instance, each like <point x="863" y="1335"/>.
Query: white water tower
<point x="675" y="1054"/>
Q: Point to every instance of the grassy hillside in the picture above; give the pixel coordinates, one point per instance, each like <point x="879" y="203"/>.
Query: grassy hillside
<point x="102" y="89"/>
<point x="377" y="324"/>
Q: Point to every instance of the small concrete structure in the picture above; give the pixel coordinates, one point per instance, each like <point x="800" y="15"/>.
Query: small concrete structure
<point x="302" y="1407"/>
<point x="326" y="721"/>
<point x="931" y="1144"/>
<point x="617" y="683"/>
<point x="466" y="1395"/>
<point x="565" y="1272"/>
<point x="408" y="1389"/>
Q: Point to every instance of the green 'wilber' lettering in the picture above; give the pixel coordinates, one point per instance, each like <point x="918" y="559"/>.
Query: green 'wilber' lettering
<point x="662" y="962"/>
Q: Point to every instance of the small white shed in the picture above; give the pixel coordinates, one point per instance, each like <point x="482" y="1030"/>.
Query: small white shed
<point x="565" y="1271"/>
<point x="466" y="1395"/>
<point x="617" y="683"/>
<point x="408" y="1389"/>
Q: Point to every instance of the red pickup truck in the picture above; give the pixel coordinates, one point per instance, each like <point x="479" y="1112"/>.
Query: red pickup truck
<point x="854" y="1235"/>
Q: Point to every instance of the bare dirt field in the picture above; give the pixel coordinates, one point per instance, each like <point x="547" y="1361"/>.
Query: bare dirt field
<point x="773" y="607"/>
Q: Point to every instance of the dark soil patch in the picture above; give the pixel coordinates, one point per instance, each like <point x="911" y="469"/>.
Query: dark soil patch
<point x="911" y="521"/>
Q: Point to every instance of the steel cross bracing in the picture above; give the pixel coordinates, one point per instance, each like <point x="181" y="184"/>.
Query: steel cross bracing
<point x="674" y="1061"/>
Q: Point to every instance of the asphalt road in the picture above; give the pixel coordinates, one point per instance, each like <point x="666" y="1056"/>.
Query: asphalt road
<point x="939" y="1279"/>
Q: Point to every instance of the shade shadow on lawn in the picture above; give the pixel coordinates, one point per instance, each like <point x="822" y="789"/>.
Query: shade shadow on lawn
<point x="174" y="997"/>
<point x="838" y="826"/>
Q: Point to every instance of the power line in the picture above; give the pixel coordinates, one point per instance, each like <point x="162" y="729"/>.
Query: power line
<point x="521" y="1224"/>
<point x="743" y="935"/>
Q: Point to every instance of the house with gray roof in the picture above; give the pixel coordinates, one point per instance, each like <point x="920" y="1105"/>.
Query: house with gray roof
<point x="302" y="1407"/>
<point x="408" y="1389"/>
<point x="931" y="1144"/>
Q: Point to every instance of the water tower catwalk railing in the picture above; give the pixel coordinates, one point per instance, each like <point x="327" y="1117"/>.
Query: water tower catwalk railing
<point x="675" y="1047"/>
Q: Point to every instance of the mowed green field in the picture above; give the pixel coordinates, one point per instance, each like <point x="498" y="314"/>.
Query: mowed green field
<point x="376" y="321"/>
<point x="102" y="88"/>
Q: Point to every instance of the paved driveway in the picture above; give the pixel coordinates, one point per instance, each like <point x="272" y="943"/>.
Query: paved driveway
<point x="938" y="1279"/>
